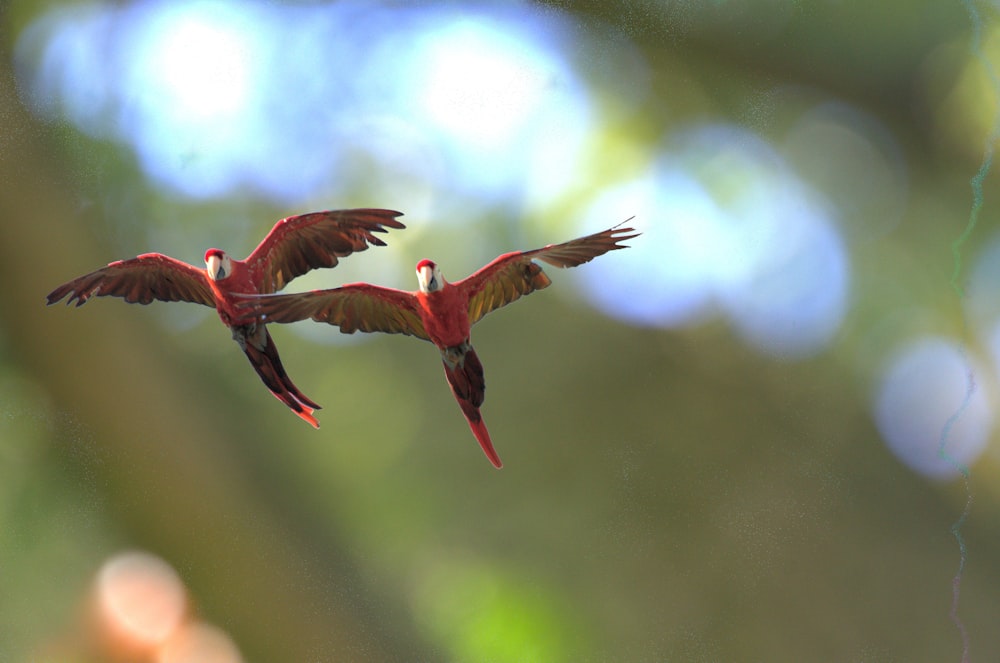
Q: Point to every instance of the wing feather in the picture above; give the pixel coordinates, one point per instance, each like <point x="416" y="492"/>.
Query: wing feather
<point x="513" y="275"/>
<point x="298" y="244"/>
<point x="353" y="307"/>
<point x="148" y="277"/>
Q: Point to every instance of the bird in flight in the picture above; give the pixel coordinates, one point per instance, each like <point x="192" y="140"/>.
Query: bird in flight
<point x="295" y="245"/>
<point x="442" y="312"/>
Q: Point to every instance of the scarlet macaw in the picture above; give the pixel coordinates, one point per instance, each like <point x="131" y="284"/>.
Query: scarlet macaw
<point x="442" y="312"/>
<point x="294" y="246"/>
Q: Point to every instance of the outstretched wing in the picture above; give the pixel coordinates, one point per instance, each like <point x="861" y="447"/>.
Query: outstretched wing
<point x="353" y="307"/>
<point x="512" y="275"/>
<point x="298" y="244"/>
<point x="141" y="279"/>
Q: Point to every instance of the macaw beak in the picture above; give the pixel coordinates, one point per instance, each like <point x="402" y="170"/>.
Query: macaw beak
<point x="425" y="277"/>
<point x="215" y="268"/>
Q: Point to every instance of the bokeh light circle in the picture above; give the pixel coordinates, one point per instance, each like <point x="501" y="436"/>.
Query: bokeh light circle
<point x="141" y="600"/>
<point x="198" y="642"/>
<point x="932" y="412"/>
<point x="728" y="229"/>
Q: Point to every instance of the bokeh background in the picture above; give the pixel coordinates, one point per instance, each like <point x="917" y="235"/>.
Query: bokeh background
<point x="766" y="432"/>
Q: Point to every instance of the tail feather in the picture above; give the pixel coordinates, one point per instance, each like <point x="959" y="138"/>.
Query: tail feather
<point x="304" y="411"/>
<point x="263" y="356"/>
<point x="465" y="374"/>
<point x="478" y="427"/>
<point x="271" y="350"/>
<point x="465" y="377"/>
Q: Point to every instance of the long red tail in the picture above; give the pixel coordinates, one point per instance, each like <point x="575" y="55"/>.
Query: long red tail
<point x="271" y="351"/>
<point x="465" y="377"/>
<point x="478" y="427"/>
<point x="263" y="356"/>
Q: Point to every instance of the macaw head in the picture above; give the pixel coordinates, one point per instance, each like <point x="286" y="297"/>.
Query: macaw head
<point x="218" y="264"/>
<point x="429" y="276"/>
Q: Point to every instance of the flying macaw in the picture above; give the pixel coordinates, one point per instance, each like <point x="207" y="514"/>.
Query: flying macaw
<point x="294" y="246"/>
<point x="442" y="312"/>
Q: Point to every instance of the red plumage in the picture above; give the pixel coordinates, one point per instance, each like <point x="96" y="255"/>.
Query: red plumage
<point x="441" y="312"/>
<point x="294" y="246"/>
